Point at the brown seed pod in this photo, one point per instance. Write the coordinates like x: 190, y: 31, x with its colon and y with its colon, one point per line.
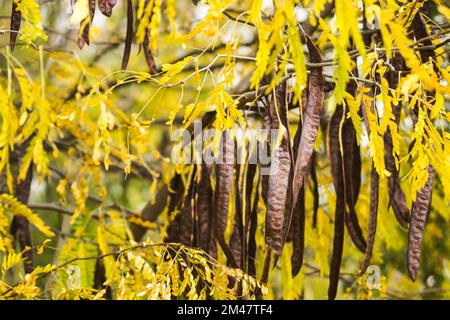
x: 420, y: 207
x: 146, y: 46
x: 419, y: 214
x: 279, y: 174
x: 222, y: 194
x: 249, y: 181
x: 106, y: 6
x: 203, y: 208
x: 298, y: 234
x: 16, y: 17
x: 315, y: 190
x: 149, y: 54
x: 339, y: 216
x: 316, y: 95
x: 288, y: 230
x: 352, y: 180
x: 236, y: 241
x: 181, y: 229
x: 396, y: 195
x: 83, y: 35
x: 373, y: 216
x: 129, y: 35
x: 253, y: 224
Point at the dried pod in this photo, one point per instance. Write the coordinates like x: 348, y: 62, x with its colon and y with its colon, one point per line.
x: 339, y: 216
x: 352, y: 180
x: 149, y: 54
x: 203, y: 208
x: 421, y: 206
x: 419, y: 214
x: 249, y: 180
x: 222, y: 194
x: 298, y: 234
x: 146, y: 46
x: 396, y: 195
x: 83, y: 34
x: 253, y: 223
x: 311, y: 122
x: 106, y: 6
x: 181, y: 228
x: 315, y: 190
x: 236, y: 240
x: 373, y: 216
x: 16, y: 17
x: 279, y: 173
x: 129, y: 35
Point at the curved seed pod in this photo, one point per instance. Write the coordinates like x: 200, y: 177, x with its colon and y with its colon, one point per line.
x: 83, y: 35
x: 311, y: 121
x: 203, y: 208
x: 106, y: 6
x: 224, y: 177
x: 146, y: 45
x: 279, y: 173
x: 373, y: 216
x: 298, y: 234
x: 16, y: 17
x: 129, y: 35
x: 251, y: 260
x: 181, y: 229
x: 249, y: 179
x: 149, y: 54
x: 265, y: 273
x: 315, y: 189
x: 288, y: 231
x: 339, y: 216
x: 396, y: 195
x: 419, y: 213
x: 236, y: 240
x: 352, y: 179
x: 251, y: 173
x: 420, y: 207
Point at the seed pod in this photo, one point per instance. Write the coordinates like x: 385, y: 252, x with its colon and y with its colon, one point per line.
x: 421, y: 206
x: 106, y: 6
x: 249, y: 179
x: 251, y: 260
x: 129, y: 35
x: 288, y: 230
x: 419, y: 214
x: 149, y: 54
x: 203, y: 208
x: 224, y: 181
x: 298, y: 234
x: 339, y: 216
x: 352, y: 180
x: 279, y: 173
x: 396, y: 194
x: 311, y: 122
x: 16, y: 17
x: 146, y: 46
x: 315, y: 190
x: 236, y: 241
x: 181, y: 229
x: 83, y: 35
x: 373, y: 216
